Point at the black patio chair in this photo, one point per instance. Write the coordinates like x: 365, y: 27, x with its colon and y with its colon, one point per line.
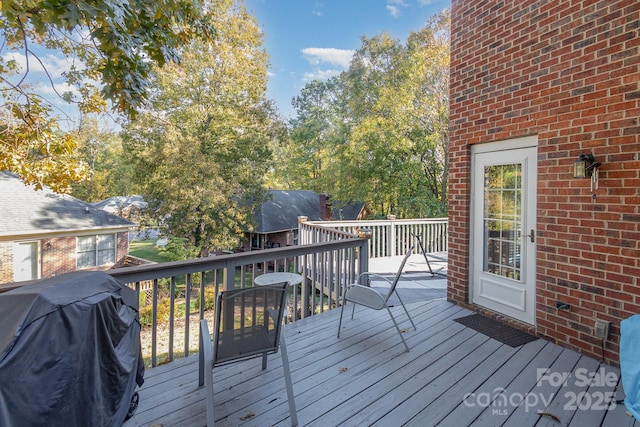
x: 248, y: 324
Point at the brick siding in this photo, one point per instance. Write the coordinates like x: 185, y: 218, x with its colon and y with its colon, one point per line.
x: 58, y: 256
x: 568, y: 72
x: 6, y: 262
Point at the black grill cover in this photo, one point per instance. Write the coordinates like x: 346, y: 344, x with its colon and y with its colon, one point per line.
x: 69, y: 352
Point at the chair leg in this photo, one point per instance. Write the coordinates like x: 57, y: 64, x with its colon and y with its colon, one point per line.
x: 201, y: 361
x: 207, y: 357
x: 398, y: 329
x: 209, y: 390
x: 340, y: 321
x: 406, y: 311
x: 353, y: 310
x: 344, y: 302
x: 287, y: 379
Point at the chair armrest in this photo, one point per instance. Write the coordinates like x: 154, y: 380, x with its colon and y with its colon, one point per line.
x: 369, y: 275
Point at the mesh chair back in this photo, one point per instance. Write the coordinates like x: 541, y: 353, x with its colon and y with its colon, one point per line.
x: 398, y: 274
x: 248, y: 322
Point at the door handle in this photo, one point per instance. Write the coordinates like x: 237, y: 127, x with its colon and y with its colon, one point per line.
x: 531, y: 235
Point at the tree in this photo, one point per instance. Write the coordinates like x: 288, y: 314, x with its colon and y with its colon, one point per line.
x: 201, y: 145
x: 112, y: 49
x: 109, y: 174
x: 310, y: 153
x: 378, y: 132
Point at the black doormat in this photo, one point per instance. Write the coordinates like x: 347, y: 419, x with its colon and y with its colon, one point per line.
x: 499, y: 331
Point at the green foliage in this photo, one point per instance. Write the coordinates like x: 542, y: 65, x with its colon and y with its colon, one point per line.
x: 209, y: 298
x: 164, y: 307
x: 111, y: 48
x: 312, y: 135
x: 378, y: 132
x: 178, y: 249
x: 33, y: 146
x: 162, y: 313
x: 118, y: 42
x: 201, y: 146
x: 109, y: 173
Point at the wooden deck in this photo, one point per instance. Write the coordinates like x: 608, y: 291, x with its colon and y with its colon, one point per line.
x: 453, y: 376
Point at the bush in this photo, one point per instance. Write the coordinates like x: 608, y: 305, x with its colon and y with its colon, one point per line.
x: 209, y: 298
x: 164, y: 306
x: 146, y: 312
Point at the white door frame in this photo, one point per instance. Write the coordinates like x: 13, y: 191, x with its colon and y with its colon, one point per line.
x: 27, y: 268
x: 512, y: 296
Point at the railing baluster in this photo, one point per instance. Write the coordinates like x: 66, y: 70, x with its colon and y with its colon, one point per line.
x: 172, y: 302
x: 154, y: 323
x: 187, y: 313
x: 330, y: 260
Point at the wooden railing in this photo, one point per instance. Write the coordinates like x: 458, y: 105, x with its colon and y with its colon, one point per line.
x: 387, y: 238
x: 175, y: 305
x: 176, y: 295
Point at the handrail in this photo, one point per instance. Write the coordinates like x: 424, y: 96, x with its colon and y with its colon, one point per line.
x: 330, y: 255
x: 390, y: 237
x: 327, y: 266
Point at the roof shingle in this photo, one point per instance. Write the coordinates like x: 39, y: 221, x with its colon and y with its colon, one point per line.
x: 27, y: 211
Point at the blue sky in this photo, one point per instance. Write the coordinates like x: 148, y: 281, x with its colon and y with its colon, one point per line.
x: 305, y: 39
x: 309, y: 39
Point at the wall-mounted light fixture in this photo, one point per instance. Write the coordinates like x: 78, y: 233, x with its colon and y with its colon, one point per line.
x: 587, y: 167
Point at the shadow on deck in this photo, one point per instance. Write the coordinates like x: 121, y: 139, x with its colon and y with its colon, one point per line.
x: 453, y: 376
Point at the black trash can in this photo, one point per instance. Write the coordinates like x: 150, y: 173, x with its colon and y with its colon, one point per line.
x: 69, y: 352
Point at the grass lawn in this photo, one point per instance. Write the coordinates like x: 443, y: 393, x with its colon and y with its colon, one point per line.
x: 147, y: 249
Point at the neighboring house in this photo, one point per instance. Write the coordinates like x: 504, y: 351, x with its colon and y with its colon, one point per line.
x: 44, y: 234
x: 129, y: 207
x: 276, y: 221
x: 535, y: 84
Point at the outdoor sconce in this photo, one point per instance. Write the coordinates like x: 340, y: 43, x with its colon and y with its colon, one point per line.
x: 587, y: 167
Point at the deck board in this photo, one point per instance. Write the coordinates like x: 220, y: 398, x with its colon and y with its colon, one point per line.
x: 366, y: 378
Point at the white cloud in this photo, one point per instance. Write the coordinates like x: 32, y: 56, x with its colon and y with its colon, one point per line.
x: 393, y: 11
x: 320, y: 75
x: 54, y: 65
x: 317, y: 9
x: 394, y: 7
x: 50, y: 92
x: 318, y: 55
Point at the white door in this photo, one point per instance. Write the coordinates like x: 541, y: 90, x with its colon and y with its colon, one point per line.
x: 25, y: 261
x: 503, y: 271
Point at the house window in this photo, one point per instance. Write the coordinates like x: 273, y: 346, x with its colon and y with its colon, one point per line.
x: 93, y: 251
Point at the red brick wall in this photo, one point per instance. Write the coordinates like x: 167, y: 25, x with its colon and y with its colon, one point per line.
x: 58, y: 256
x: 568, y: 72
x: 6, y: 262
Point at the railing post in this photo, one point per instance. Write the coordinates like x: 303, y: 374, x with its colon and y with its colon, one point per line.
x: 391, y: 236
x: 340, y: 269
x: 363, y: 255
x: 303, y: 231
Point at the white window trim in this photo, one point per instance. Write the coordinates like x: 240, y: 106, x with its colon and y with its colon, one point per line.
x: 95, y: 252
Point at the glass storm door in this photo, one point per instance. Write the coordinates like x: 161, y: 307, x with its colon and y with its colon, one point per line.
x: 503, y: 227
